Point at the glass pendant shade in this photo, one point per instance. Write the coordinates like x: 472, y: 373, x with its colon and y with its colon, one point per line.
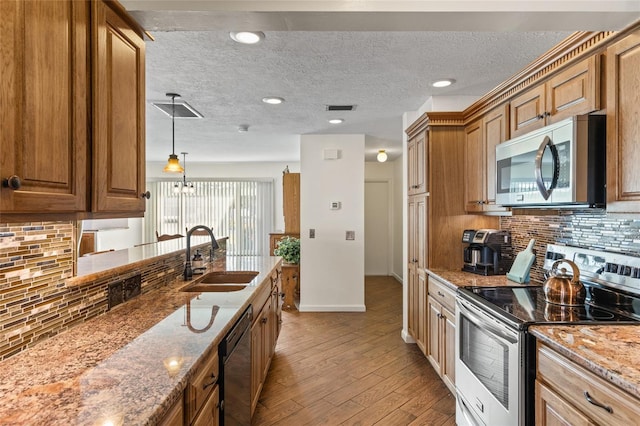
x: 173, y: 165
x: 382, y: 156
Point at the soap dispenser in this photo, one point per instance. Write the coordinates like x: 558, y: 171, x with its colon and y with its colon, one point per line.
x: 197, y: 263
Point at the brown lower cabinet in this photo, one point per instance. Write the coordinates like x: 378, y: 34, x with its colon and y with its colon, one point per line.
x: 441, y: 331
x: 569, y: 394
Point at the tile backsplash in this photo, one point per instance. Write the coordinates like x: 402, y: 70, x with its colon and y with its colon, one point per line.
x: 35, y: 303
x: 592, y: 229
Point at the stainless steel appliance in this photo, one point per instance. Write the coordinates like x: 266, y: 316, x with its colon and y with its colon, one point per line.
x: 563, y: 163
x: 495, y: 354
x: 235, y: 377
x: 488, y: 252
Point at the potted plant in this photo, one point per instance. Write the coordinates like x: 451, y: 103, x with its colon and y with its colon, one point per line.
x: 289, y: 248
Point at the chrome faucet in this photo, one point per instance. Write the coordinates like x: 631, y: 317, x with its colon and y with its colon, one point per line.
x: 188, y: 272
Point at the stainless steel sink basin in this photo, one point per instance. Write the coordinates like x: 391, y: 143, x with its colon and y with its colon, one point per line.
x: 228, y: 277
x: 219, y: 288
x: 222, y: 281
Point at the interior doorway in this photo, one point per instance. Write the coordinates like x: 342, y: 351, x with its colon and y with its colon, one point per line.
x: 377, y: 225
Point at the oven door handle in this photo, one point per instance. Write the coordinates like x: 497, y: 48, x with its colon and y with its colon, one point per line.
x: 500, y: 334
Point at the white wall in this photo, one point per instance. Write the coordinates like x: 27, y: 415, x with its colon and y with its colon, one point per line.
x: 262, y: 170
x: 332, y: 268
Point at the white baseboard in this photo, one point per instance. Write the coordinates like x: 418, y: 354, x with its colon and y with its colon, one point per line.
x: 407, y: 337
x: 332, y: 308
x: 397, y: 277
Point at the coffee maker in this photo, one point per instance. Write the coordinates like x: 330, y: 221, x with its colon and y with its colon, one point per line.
x: 488, y: 252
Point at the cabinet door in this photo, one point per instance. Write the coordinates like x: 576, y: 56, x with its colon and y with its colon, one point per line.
x: 434, y: 312
x: 175, y: 415
x: 291, y: 202
x: 495, y: 130
x: 449, y: 349
x: 623, y: 127
x: 527, y: 111
x: 421, y: 246
x: 256, y: 362
x: 417, y: 156
x: 422, y: 319
x: 210, y: 414
x: 553, y: 410
x: 45, y: 103
x: 118, y: 114
x: 474, y: 167
x: 574, y: 91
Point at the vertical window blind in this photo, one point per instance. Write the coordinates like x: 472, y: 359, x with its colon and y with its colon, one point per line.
x: 242, y: 210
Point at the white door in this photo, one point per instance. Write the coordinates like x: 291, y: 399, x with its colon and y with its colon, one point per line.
x: 376, y: 228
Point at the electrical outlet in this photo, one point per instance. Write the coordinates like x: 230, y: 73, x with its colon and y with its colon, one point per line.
x: 312, y: 233
x: 351, y: 235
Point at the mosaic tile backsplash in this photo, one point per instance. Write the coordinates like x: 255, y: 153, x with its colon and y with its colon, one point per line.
x: 35, y: 261
x: 590, y: 229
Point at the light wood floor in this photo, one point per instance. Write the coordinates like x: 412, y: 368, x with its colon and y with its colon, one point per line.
x: 352, y: 369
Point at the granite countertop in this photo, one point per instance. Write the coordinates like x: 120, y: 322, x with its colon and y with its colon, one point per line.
x: 112, y: 368
x: 610, y: 351
x: 462, y: 279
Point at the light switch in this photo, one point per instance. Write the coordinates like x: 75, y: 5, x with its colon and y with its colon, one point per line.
x: 312, y: 233
x: 351, y: 235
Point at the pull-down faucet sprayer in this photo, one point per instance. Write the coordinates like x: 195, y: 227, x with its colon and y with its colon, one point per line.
x: 188, y: 272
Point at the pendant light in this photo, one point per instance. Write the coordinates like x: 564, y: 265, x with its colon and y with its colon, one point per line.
x: 184, y: 186
x: 173, y: 164
x: 382, y: 156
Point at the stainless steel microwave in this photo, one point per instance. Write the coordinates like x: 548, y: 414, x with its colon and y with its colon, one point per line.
x: 560, y: 164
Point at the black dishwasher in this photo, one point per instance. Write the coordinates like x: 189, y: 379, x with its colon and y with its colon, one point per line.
x: 235, y: 366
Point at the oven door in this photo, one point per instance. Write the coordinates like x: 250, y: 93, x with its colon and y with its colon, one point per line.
x: 489, y: 380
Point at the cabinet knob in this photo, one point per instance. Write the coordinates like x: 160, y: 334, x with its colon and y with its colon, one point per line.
x: 540, y: 116
x: 264, y: 320
x: 12, y: 182
x: 547, y: 114
x: 146, y: 195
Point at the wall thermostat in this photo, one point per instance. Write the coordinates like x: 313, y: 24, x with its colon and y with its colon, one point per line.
x: 335, y: 205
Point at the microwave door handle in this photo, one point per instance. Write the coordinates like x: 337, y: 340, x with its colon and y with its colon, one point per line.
x: 497, y: 332
x: 546, y: 192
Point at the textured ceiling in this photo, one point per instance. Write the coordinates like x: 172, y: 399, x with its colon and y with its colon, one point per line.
x: 385, y: 73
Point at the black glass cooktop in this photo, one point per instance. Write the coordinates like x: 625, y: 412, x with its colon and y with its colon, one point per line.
x: 526, y: 305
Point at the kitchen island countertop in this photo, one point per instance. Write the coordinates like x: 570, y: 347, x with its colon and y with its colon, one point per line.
x: 112, y: 368
x: 609, y: 351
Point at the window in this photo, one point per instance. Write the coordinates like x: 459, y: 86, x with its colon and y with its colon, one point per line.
x: 239, y: 209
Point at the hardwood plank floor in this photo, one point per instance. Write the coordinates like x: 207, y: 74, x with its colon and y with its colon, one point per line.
x: 352, y: 368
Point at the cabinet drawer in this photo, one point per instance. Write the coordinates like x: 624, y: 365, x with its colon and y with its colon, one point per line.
x: 442, y: 293
x: 210, y: 414
x: 572, y: 381
x: 202, y: 384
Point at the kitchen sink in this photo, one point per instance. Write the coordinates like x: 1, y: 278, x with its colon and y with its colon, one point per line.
x: 214, y: 288
x: 228, y: 277
x: 222, y: 281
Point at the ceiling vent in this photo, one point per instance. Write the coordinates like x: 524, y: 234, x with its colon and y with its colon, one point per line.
x: 183, y: 109
x: 341, y: 107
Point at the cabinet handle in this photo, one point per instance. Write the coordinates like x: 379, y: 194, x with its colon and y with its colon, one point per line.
x: 440, y: 293
x: 547, y: 114
x: 596, y: 403
x: 282, y: 295
x: 12, y: 182
x: 146, y: 195
x: 213, y: 382
x: 540, y: 116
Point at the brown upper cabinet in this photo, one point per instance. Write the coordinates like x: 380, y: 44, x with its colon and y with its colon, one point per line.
x: 573, y: 91
x: 481, y: 138
x: 623, y: 127
x: 45, y: 112
x: 417, y: 158
x: 291, y: 202
x: 73, y: 136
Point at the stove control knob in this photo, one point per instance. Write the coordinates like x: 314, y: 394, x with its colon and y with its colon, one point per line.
x: 611, y: 267
x: 635, y: 272
x: 625, y: 270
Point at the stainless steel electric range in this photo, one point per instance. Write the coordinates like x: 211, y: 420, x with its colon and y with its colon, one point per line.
x: 495, y: 354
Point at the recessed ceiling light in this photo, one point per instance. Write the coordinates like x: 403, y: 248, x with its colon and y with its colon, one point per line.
x: 273, y: 100
x: 336, y: 121
x: 443, y: 83
x: 247, y: 37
